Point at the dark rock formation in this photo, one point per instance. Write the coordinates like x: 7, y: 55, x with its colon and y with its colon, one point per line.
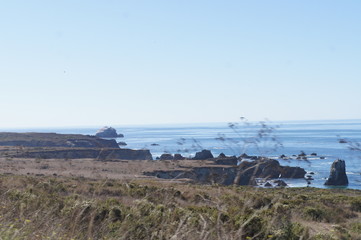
x: 203, y: 155
x: 166, y: 156
x: 108, y: 132
x: 338, y: 175
x: 220, y: 175
x: 205, y: 175
x: 302, y: 154
x: 243, y: 174
x: 178, y: 156
x: 122, y: 144
x: 222, y: 155
x: 265, y: 168
x: 226, y: 161
x: 267, y: 184
x: 309, y: 177
x: 243, y: 155
x: 55, y: 140
x: 154, y: 144
x: 280, y: 183
x: 124, y: 154
x: 313, y: 154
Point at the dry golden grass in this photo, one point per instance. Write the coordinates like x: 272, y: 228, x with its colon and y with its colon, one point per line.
x: 48, y: 207
x: 90, y: 168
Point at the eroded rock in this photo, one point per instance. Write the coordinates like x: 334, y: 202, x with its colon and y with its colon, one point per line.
x: 338, y: 175
x: 178, y: 156
x: 244, y: 174
x: 166, y: 156
x: 203, y: 155
x: 108, y: 132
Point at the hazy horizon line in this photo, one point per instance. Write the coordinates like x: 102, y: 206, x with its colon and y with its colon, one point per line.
x: 168, y: 124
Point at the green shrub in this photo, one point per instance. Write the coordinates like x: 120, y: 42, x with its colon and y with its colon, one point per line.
x: 356, y: 205
x: 356, y: 227
x: 315, y: 214
x: 292, y: 231
x: 254, y: 227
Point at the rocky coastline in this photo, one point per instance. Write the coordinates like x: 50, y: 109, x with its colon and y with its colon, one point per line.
x: 203, y: 168
x: 65, y: 146
x: 229, y: 170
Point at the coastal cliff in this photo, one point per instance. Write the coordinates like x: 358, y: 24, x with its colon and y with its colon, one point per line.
x: 55, y: 140
x: 65, y: 146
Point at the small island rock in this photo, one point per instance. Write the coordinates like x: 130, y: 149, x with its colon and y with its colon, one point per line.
x: 166, y: 156
x: 122, y: 143
x: 280, y: 183
x: 203, y: 155
x: 302, y: 154
x: 108, y: 132
x: 338, y: 175
x: 267, y: 184
x: 178, y: 156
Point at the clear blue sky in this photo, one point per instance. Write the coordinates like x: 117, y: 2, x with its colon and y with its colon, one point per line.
x: 81, y: 63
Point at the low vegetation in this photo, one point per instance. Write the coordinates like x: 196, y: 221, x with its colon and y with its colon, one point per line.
x: 80, y: 208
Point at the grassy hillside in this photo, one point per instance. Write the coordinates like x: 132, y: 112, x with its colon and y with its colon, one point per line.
x: 80, y: 208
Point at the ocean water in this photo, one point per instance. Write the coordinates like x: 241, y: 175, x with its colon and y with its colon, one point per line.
x: 272, y: 140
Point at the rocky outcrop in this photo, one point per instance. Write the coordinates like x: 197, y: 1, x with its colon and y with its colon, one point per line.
x: 268, y: 184
x: 302, y: 154
x: 178, y: 156
x: 245, y: 156
x: 124, y: 154
x: 204, y: 175
x: 108, y: 132
x: 244, y: 174
x: 203, y: 155
x: 265, y: 168
x: 338, y: 175
x: 55, y: 140
x: 122, y: 144
x: 166, y: 156
x: 280, y: 183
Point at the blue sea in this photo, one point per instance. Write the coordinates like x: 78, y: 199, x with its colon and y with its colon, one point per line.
x: 270, y: 139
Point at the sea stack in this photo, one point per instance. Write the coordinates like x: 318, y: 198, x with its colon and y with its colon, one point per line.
x: 338, y: 175
x: 203, y: 155
x: 108, y: 132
